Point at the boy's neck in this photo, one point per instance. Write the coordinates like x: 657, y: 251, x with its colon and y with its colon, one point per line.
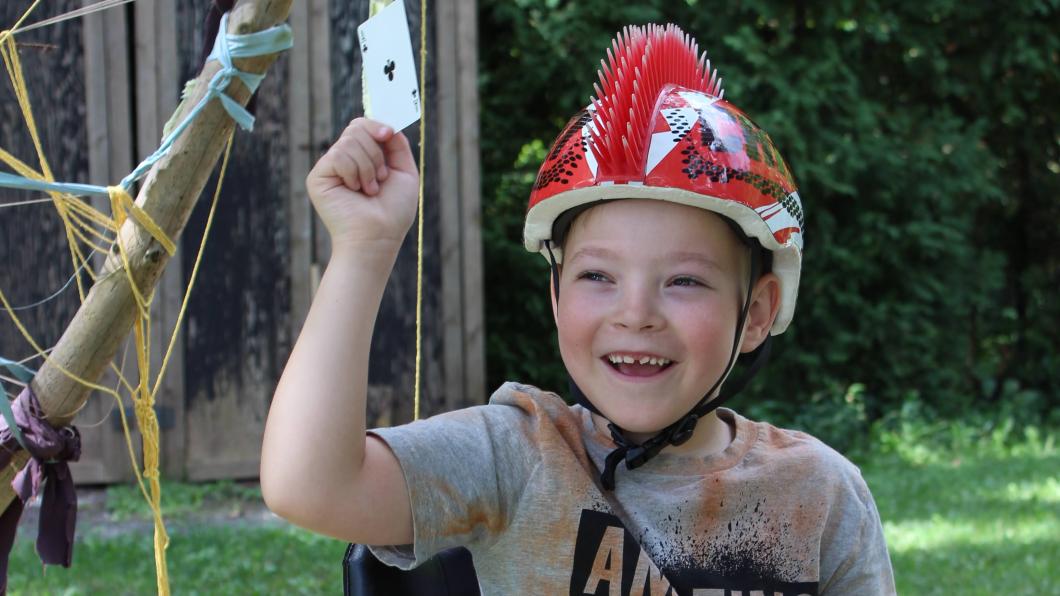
x: 712, y: 436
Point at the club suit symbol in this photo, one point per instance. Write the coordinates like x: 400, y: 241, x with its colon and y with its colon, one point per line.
x: 388, y: 70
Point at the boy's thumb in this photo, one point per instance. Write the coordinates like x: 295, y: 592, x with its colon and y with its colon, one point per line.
x: 399, y: 153
x: 380, y: 132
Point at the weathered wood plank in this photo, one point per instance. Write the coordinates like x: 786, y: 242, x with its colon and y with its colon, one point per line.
x: 448, y: 142
x: 320, y: 47
x: 459, y: 189
x: 238, y: 321
x: 474, y: 347
x: 300, y: 145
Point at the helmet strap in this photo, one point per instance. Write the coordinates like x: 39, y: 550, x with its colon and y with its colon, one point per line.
x: 555, y: 270
x: 579, y: 395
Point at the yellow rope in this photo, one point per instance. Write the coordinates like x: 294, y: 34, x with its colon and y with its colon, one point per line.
x: 419, y: 228
x: 126, y: 204
x: 9, y: 52
x: 9, y: 33
x: 195, y: 268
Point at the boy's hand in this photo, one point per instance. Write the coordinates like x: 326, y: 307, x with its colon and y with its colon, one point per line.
x: 365, y: 188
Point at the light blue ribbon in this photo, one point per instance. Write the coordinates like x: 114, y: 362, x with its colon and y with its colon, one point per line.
x: 225, y: 48
x: 13, y: 181
x: 20, y: 371
x: 24, y: 374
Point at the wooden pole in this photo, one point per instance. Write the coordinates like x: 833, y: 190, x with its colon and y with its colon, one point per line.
x: 168, y: 195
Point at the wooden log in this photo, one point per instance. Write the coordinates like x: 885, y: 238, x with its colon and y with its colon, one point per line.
x: 168, y: 196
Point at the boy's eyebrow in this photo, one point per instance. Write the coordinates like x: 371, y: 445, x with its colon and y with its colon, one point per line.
x: 592, y: 251
x: 680, y: 256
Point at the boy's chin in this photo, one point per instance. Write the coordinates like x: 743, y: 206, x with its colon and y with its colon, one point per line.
x: 637, y: 425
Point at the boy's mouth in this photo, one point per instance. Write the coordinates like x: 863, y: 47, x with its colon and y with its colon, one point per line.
x: 637, y: 365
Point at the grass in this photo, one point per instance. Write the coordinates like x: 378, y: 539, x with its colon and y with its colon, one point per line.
x: 209, y: 560
x: 127, y: 502
x: 989, y: 525
x: 969, y: 507
x: 981, y: 519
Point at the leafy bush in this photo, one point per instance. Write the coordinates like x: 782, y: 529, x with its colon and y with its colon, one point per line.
x: 927, y: 158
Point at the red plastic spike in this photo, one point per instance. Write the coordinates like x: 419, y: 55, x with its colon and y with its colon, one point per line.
x: 640, y: 63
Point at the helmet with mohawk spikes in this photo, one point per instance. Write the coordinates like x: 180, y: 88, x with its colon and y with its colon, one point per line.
x: 659, y: 128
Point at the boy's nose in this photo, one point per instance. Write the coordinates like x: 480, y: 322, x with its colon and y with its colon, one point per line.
x: 638, y: 310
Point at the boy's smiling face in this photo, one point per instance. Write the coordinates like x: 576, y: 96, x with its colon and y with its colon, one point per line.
x: 660, y: 284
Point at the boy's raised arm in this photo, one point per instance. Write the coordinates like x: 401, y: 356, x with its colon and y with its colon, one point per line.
x: 318, y: 468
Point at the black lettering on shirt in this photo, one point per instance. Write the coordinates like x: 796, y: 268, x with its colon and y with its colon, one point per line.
x: 608, y: 561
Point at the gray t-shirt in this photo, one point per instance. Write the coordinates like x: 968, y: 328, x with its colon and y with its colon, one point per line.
x: 517, y: 483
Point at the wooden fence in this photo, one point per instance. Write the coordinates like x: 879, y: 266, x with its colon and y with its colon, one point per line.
x: 103, y: 87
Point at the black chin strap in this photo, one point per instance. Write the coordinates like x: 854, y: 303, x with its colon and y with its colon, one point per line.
x: 636, y: 455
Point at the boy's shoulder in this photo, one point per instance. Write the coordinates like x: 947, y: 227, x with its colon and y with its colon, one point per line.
x: 798, y: 457
x: 531, y: 401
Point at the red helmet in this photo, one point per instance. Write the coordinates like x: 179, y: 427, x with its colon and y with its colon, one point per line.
x: 659, y: 129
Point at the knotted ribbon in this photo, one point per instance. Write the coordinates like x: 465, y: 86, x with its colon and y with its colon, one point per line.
x: 50, y: 449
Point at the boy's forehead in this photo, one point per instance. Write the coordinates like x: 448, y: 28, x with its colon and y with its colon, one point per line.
x: 648, y: 223
x: 629, y: 215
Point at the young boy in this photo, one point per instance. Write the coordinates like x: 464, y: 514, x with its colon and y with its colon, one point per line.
x: 674, y: 232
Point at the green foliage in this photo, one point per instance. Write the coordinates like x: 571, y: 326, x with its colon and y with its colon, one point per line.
x: 928, y: 157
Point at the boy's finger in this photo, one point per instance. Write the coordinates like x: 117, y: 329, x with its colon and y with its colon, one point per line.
x: 377, y: 130
x: 399, y: 154
x: 343, y: 164
x: 361, y: 150
x: 372, y: 150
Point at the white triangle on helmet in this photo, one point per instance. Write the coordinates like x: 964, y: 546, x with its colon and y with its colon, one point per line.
x: 662, y: 143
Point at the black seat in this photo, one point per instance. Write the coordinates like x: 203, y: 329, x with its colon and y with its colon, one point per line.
x: 449, y: 573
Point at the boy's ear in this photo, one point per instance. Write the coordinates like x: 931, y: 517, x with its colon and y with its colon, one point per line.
x: 765, y: 303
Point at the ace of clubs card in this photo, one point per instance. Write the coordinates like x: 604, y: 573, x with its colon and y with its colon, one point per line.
x: 391, y: 94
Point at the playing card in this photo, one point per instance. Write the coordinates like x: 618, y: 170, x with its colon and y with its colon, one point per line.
x: 392, y: 95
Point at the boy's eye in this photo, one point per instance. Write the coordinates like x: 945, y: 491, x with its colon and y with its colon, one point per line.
x: 687, y: 281
x: 592, y: 276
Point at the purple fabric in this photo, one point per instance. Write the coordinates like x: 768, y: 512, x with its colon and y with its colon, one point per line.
x: 50, y: 449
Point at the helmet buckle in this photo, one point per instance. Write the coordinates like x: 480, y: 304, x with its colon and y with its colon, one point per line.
x: 684, y: 431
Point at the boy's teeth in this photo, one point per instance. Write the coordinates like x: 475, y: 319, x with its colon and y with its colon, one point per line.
x: 623, y: 359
